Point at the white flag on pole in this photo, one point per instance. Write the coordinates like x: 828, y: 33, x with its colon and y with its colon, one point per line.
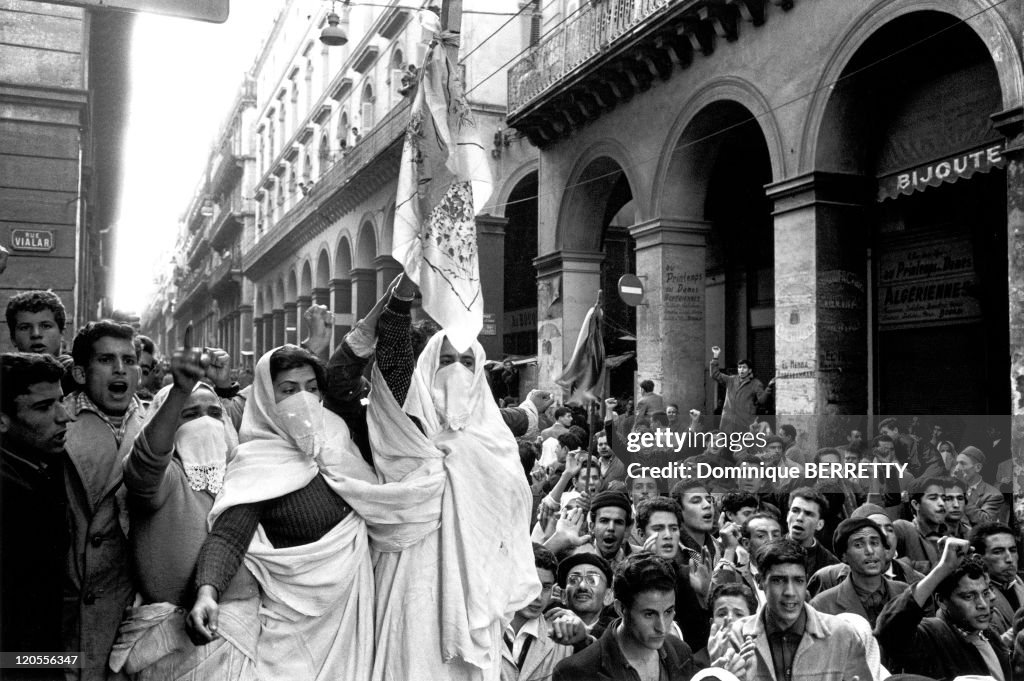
x: 443, y: 183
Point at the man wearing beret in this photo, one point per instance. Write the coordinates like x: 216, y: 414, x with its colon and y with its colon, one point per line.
x: 984, y: 501
x: 586, y: 580
x: 862, y: 545
x: 611, y: 514
x: 897, y: 568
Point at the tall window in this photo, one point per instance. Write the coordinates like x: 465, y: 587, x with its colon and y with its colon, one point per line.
x: 270, y: 140
x: 325, y: 154
x: 395, y: 77
x: 309, y: 85
x: 366, y: 109
x: 343, y: 131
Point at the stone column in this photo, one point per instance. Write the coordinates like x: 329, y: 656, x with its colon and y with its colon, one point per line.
x: 300, y: 320
x: 821, y: 319
x: 387, y: 269
x: 364, y: 291
x: 291, y: 330
x: 268, y: 332
x: 670, y: 323
x: 341, y: 296
x: 1011, y: 124
x: 567, y: 286
x: 490, y: 238
x: 246, y: 333
x: 279, y: 328
x: 257, y: 334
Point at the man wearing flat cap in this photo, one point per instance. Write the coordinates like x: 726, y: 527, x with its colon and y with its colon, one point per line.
x: 897, y: 568
x: 984, y: 501
x: 611, y: 514
x: 862, y: 545
x: 586, y: 580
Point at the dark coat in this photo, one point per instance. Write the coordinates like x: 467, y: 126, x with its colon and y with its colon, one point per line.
x: 911, y: 544
x: 914, y: 644
x: 33, y: 552
x: 742, y: 398
x: 831, y: 575
x: 843, y: 598
x: 603, y: 661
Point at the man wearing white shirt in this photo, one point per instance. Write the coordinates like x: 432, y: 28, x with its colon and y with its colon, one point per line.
x: 533, y: 645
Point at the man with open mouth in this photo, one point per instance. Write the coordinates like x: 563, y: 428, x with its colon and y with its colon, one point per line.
x: 862, y: 544
x: 960, y: 640
x: 108, y: 416
x: 611, y: 514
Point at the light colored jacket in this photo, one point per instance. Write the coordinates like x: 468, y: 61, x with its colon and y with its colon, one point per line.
x: 539, y: 663
x: 98, y: 584
x: 830, y: 649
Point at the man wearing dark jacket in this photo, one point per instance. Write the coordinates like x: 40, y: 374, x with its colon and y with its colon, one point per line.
x: 743, y: 394
x: 638, y: 645
x: 33, y: 506
x: 863, y: 546
x: 959, y: 641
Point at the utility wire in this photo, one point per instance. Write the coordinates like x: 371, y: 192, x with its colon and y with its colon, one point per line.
x: 501, y: 68
x: 496, y: 31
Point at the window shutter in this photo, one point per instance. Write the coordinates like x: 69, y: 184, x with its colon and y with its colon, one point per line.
x: 367, y: 116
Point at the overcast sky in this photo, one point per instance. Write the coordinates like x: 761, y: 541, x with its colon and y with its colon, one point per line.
x: 185, y: 75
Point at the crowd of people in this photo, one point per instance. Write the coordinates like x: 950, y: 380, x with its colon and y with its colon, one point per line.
x: 376, y: 514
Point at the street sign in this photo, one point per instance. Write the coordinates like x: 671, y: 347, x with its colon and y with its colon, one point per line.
x: 215, y: 11
x: 631, y: 290
x: 32, y: 240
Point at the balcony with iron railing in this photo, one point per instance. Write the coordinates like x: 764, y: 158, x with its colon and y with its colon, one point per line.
x: 335, y: 186
x: 609, y: 50
x: 228, y: 217
x: 226, y: 268
x: 193, y: 284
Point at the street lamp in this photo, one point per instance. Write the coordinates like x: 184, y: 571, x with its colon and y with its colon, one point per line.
x: 333, y: 35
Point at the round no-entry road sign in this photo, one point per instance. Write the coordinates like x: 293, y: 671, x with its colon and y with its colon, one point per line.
x: 631, y: 290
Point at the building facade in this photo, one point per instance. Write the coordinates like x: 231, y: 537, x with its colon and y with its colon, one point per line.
x: 831, y: 189
x: 63, y: 79
x: 325, y: 141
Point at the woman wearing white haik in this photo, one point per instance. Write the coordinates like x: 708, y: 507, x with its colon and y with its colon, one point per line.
x: 287, y: 510
x: 443, y: 602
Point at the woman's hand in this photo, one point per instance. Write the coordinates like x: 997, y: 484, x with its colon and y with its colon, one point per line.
x: 201, y: 623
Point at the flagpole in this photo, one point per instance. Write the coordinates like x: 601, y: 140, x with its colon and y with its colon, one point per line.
x: 451, y: 20
x: 593, y: 422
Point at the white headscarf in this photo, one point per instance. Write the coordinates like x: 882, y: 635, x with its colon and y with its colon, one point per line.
x: 281, y: 444
x: 204, y: 465
x: 472, y: 406
x: 485, y: 513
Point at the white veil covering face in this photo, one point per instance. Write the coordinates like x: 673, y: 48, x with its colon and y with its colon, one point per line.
x: 204, y: 465
x: 480, y: 557
x: 317, y: 610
